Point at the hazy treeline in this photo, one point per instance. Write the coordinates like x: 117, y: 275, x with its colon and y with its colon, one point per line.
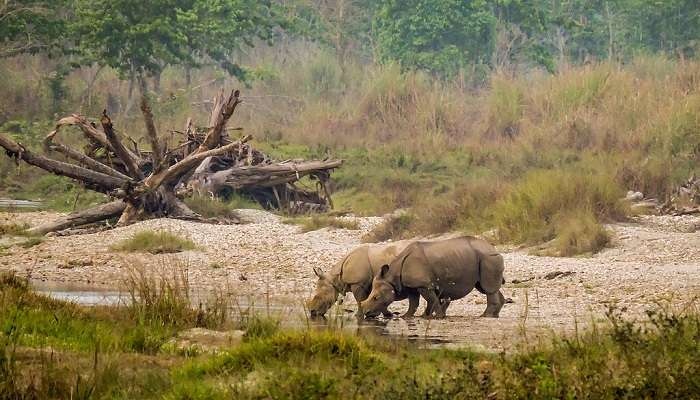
x: 440, y: 36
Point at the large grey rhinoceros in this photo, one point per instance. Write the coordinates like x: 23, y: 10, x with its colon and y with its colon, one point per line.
x: 354, y: 274
x: 439, y: 271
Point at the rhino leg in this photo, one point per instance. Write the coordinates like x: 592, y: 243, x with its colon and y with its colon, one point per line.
x: 494, y: 303
x: 360, y: 293
x: 444, y: 303
x: 413, y: 300
x: 433, y: 302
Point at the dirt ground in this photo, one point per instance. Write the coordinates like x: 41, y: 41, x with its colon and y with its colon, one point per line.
x: 654, y: 261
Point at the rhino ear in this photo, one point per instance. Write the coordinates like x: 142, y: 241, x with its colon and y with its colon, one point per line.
x: 384, y: 270
x: 318, y: 272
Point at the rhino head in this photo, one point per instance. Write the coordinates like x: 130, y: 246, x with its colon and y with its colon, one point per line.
x: 382, y: 294
x: 324, y: 297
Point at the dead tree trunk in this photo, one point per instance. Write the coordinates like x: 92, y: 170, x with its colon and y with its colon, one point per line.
x: 150, y: 184
x: 142, y: 184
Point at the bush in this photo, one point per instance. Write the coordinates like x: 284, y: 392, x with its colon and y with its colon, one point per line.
x: 13, y: 229
x: 393, y: 227
x: 578, y: 233
x: 155, y: 243
x: 536, y: 210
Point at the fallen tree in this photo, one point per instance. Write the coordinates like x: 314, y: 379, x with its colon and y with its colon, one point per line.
x: 151, y: 184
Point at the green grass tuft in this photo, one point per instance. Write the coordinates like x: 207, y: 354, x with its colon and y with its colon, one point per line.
x: 154, y: 242
x: 316, y: 222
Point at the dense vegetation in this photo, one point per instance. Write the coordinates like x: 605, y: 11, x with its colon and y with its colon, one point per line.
x: 526, y: 119
x: 50, y: 349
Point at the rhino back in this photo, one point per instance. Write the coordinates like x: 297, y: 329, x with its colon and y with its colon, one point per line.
x: 380, y: 254
x: 452, y: 265
x: 354, y: 268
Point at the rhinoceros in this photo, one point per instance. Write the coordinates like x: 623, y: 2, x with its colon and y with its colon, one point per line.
x: 439, y: 271
x: 354, y: 274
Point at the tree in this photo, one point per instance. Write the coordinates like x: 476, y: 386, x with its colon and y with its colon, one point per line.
x: 31, y: 26
x: 440, y: 36
x: 137, y: 39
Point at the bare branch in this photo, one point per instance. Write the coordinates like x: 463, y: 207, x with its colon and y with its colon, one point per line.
x: 122, y: 152
x: 157, y: 151
x: 96, y: 214
x: 85, y: 160
x: 155, y: 180
x: 99, y: 181
x: 223, y: 109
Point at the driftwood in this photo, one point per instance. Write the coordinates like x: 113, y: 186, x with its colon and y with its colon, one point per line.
x: 685, y: 200
x: 148, y: 184
x: 271, y: 184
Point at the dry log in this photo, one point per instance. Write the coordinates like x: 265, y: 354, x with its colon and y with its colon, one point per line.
x: 89, y: 216
x: 96, y: 180
x: 85, y: 160
x: 156, y: 150
x: 223, y: 109
x: 188, y: 163
x: 275, y: 174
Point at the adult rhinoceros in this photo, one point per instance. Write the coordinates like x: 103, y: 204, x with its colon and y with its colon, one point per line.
x: 439, y: 271
x: 354, y: 274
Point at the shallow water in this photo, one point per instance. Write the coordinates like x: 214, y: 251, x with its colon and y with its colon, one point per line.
x: 462, y: 330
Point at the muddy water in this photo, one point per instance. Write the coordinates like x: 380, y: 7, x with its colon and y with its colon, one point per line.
x: 464, y: 330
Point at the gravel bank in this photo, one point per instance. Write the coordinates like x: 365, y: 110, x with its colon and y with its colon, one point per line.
x: 653, y: 260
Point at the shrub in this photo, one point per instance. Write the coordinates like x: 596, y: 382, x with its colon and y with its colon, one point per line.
x: 13, y: 229
x: 393, y: 227
x: 154, y: 242
x: 537, y: 207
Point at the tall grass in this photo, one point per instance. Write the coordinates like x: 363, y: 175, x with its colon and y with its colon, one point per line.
x: 163, y: 297
x: 412, y: 141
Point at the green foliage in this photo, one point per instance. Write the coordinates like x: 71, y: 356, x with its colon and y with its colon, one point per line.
x: 30, y: 26
x: 652, y: 358
x: 154, y: 242
x: 438, y: 36
x: 142, y: 37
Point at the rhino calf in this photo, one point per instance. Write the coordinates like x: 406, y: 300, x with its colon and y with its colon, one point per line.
x: 439, y: 271
x: 354, y: 274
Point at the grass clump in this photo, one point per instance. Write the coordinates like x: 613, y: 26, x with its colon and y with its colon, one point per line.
x: 215, y: 207
x: 316, y: 222
x: 162, y: 297
x: 393, y: 227
x: 568, y: 206
x: 13, y: 229
x: 154, y: 242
